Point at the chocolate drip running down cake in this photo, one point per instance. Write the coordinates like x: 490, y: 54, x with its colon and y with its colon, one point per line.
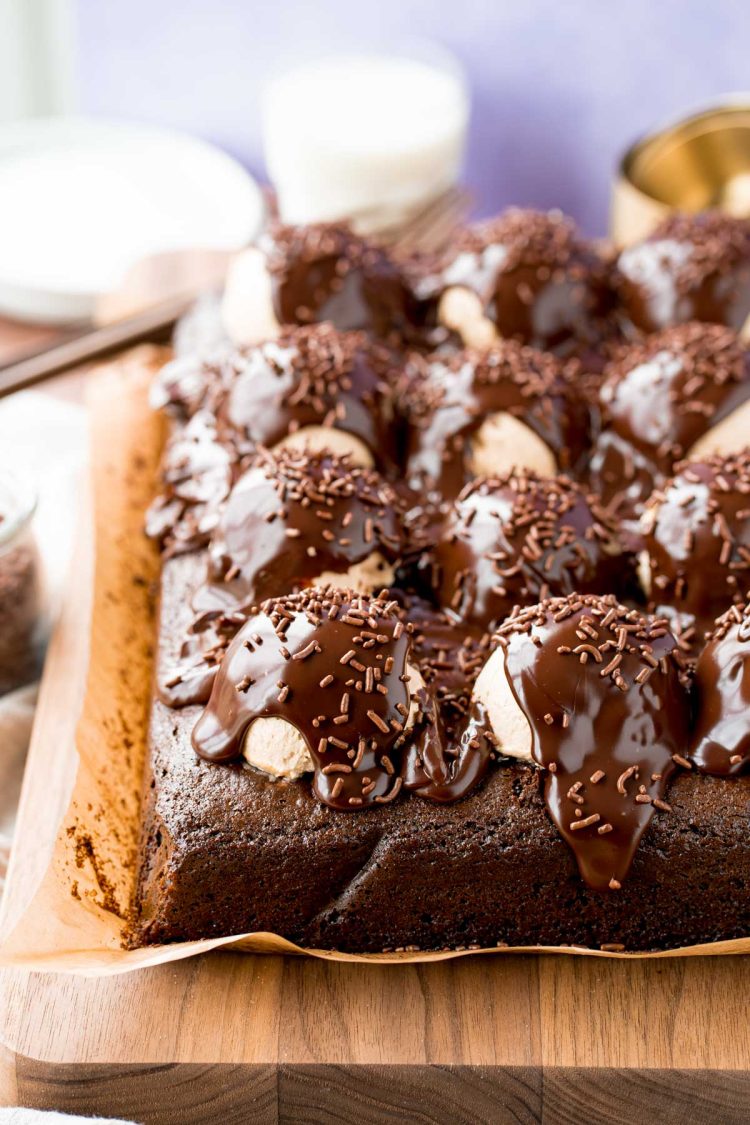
x: 424, y: 681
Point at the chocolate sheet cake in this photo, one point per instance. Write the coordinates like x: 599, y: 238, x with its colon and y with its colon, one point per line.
x: 424, y: 692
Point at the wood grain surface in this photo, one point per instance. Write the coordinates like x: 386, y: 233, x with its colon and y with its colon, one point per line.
x: 238, y: 1038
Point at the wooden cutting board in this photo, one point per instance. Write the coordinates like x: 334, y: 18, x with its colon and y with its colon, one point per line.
x: 235, y: 1038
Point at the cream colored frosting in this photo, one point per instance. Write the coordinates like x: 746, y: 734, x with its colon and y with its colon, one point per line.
x: 371, y: 575
x: 509, y: 724
x: 275, y: 747
x: 503, y: 442
x: 730, y: 435
x: 317, y: 438
x: 461, y: 310
x: 247, y: 305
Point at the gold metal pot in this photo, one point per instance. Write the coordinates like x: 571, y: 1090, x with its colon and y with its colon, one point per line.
x: 697, y: 162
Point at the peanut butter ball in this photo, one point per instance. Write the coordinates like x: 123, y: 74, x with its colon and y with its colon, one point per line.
x: 334, y: 667
x: 519, y: 538
x: 594, y: 694
x: 301, y: 275
x: 696, y: 534
x: 300, y: 518
x: 486, y: 412
x: 691, y: 267
x: 679, y: 393
x: 526, y: 276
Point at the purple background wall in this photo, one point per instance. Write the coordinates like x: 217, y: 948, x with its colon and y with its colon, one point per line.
x: 559, y: 89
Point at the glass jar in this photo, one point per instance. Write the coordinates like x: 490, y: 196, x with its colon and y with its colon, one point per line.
x: 21, y: 623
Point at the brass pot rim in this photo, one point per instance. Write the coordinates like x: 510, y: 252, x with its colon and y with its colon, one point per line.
x: 677, y: 130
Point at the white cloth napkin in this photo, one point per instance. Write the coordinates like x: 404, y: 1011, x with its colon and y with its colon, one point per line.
x: 46, y: 439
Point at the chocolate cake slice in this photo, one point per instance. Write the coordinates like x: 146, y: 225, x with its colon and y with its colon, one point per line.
x: 227, y: 850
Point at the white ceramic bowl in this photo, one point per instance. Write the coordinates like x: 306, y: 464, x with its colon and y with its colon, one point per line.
x: 81, y: 201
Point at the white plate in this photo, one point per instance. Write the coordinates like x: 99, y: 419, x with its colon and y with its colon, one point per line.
x: 81, y: 201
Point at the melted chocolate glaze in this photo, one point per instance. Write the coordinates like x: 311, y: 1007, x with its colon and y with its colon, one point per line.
x: 539, y: 283
x: 607, y: 707
x: 310, y: 377
x: 197, y: 473
x: 696, y: 532
x: 335, y: 667
x: 325, y: 272
x: 450, y: 655
x: 194, y: 382
x: 293, y: 516
x: 401, y: 290
x: 658, y: 398
x: 190, y: 679
x: 601, y: 686
x: 455, y: 745
x: 721, y: 738
x: 691, y: 267
x: 447, y: 399
x: 355, y: 658
x: 516, y: 539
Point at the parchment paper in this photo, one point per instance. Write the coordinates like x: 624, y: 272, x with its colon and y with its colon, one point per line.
x: 75, y: 921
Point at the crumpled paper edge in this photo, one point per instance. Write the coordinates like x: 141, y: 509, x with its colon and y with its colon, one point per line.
x: 75, y: 920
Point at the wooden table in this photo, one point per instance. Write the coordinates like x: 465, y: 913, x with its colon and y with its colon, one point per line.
x: 235, y: 1038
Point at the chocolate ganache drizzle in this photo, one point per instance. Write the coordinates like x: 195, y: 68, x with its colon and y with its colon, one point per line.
x: 332, y: 664
x: 603, y: 693
x: 296, y: 515
x: 517, y: 538
x: 325, y: 272
x: 658, y: 398
x: 197, y: 473
x: 538, y: 282
x: 696, y: 534
x: 343, y: 670
x: 311, y: 376
x: 446, y: 401
x: 454, y: 746
x: 449, y: 656
x: 721, y: 737
x: 691, y: 267
x: 377, y: 694
x: 189, y: 678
